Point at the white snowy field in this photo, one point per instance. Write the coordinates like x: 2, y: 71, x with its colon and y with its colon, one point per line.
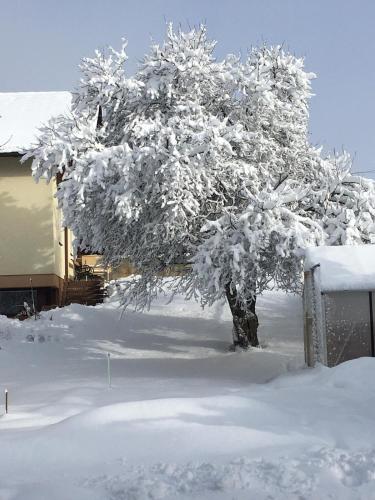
x: 184, y: 418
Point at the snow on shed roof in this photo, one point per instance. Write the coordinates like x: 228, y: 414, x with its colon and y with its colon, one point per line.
x: 22, y: 113
x: 343, y: 267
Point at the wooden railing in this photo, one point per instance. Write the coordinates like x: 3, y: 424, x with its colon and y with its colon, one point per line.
x: 86, y: 292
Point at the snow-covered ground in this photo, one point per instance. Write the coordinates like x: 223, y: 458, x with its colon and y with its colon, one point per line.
x: 185, y: 418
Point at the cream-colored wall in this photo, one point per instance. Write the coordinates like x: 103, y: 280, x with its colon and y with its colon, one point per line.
x: 59, y: 241
x: 31, y: 237
x: 71, y: 253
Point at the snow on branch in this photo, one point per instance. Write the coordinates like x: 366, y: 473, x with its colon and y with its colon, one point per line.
x: 204, y: 163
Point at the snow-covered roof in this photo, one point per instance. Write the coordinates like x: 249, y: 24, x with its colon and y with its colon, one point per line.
x: 22, y: 113
x: 343, y: 267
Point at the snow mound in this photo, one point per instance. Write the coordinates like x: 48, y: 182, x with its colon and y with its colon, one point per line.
x: 183, y: 417
x: 6, y: 327
x: 325, y: 473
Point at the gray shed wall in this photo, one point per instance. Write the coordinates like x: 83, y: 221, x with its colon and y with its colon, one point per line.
x: 348, y: 325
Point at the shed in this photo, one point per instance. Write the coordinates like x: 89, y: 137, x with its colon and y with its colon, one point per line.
x: 339, y: 295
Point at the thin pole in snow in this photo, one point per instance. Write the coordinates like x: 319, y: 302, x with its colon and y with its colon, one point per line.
x: 32, y: 297
x: 372, y: 325
x: 109, y: 370
x: 6, y: 400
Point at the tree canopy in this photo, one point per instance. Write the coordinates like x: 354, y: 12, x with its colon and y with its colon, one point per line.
x: 201, y: 162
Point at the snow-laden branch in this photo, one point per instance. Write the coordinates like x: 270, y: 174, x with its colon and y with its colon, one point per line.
x: 201, y: 163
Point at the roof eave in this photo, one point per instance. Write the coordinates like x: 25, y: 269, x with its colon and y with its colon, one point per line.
x: 11, y: 153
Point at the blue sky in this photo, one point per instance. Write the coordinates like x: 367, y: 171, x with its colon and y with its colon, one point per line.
x: 43, y: 41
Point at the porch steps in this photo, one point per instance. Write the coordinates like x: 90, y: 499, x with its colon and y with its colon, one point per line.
x: 85, y: 292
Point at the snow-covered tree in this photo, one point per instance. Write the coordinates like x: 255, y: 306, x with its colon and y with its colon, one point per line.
x: 203, y: 163
x: 296, y: 199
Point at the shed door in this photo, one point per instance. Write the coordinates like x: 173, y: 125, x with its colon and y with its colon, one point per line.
x: 348, y: 326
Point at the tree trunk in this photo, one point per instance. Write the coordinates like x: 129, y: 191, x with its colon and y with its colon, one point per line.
x: 245, y: 320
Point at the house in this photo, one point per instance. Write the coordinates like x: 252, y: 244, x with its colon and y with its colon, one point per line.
x: 35, y: 250
x: 339, y: 303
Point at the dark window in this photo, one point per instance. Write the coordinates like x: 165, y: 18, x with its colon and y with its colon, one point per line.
x: 11, y: 301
